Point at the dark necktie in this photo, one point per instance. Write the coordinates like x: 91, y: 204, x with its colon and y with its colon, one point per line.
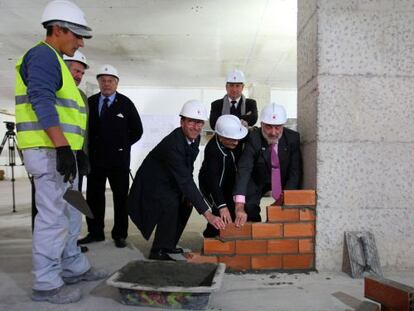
x: 276, y: 182
x: 105, y: 106
x: 233, y: 109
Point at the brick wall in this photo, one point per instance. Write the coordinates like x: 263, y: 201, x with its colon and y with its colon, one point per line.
x: 286, y: 241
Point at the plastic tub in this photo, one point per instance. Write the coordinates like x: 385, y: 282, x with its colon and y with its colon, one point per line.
x: 168, y: 284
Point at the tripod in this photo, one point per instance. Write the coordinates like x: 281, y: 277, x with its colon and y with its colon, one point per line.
x: 10, y: 138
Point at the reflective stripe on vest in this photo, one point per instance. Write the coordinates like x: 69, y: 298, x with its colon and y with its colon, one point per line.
x: 69, y: 105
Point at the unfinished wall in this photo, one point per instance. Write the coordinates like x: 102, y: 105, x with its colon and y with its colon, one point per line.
x: 356, y: 118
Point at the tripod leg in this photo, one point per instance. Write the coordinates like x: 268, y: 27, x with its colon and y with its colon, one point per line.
x: 3, y: 143
x: 13, y: 192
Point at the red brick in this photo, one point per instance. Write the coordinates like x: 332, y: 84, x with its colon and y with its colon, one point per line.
x: 251, y: 247
x: 390, y: 294
x: 306, y: 246
x: 233, y: 232
x: 198, y: 258
x: 298, y: 261
x: 262, y: 230
x: 236, y: 262
x: 282, y: 246
x: 279, y: 214
x: 304, y: 229
x: 307, y: 214
x: 299, y: 197
x: 214, y: 246
x: 266, y: 262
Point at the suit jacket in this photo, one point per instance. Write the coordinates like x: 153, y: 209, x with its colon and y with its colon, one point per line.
x: 165, y: 178
x: 250, y: 117
x: 218, y: 173
x: 254, y: 167
x: 111, y: 137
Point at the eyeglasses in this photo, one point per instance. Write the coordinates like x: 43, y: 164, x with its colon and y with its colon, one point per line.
x: 194, y: 121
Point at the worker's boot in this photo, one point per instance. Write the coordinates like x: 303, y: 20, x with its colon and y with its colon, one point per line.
x: 61, y: 295
x: 88, y: 276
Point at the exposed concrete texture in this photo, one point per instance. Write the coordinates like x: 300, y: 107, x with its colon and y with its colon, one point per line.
x: 355, y: 116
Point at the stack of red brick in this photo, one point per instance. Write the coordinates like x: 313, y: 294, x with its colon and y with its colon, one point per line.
x: 286, y: 241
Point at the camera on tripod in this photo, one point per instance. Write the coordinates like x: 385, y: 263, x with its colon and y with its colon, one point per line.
x: 9, y: 126
x: 10, y: 139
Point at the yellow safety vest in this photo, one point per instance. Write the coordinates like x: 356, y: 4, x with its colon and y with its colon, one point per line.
x: 69, y: 105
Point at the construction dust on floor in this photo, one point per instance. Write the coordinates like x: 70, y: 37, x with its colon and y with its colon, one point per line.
x: 271, y: 291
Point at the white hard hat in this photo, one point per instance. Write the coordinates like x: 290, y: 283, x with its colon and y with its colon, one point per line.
x: 230, y: 126
x: 194, y: 109
x: 107, y: 70
x: 66, y: 14
x: 77, y: 57
x: 236, y: 76
x: 273, y: 114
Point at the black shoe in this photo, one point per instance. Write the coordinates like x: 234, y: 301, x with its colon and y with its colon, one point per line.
x: 90, y: 239
x: 120, y: 243
x: 176, y: 250
x: 84, y: 249
x: 159, y: 255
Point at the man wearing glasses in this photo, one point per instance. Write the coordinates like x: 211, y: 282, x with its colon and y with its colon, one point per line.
x: 163, y: 192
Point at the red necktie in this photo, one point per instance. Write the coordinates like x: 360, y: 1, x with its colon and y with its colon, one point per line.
x: 276, y: 182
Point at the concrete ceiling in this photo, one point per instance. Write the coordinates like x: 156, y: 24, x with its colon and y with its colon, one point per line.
x: 168, y: 43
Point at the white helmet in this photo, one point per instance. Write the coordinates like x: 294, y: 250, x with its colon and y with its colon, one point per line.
x: 67, y: 14
x: 273, y: 114
x: 236, y: 76
x: 77, y: 57
x: 194, y: 109
x: 229, y: 126
x: 107, y: 70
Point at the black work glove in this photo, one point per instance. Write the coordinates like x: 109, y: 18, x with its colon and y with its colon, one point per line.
x: 66, y: 163
x: 84, y: 168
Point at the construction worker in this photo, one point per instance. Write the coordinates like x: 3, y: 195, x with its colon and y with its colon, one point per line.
x: 163, y: 191
x: 234, y: 102
x: 50, y: 122
x: 218, y: 171
x: 77, y: 65
x: 114, y: 126
x: 271, y: 162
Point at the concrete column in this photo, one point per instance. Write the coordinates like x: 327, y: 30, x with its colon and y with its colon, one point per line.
x: 356, y: 119
x: 261, y: 93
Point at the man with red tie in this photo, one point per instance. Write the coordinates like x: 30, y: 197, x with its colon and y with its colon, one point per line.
x: 271, y: 162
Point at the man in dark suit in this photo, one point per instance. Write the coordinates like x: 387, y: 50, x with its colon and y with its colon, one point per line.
x: 234, y: 102
x: 259, y: 171
x: 163, y: 191
x: 114, y: 126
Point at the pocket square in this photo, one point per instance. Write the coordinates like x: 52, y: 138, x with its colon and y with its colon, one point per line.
x: 120, y: 115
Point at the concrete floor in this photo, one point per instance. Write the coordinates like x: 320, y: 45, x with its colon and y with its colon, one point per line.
x: 266, y: 291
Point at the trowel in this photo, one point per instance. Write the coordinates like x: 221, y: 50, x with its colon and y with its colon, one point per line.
x: 76, y: 199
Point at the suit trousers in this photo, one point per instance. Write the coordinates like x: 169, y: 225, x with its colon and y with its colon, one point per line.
x: 95, y: 196
x: 57, y: 224
x: 252, y: 206
x: 171, y: 225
